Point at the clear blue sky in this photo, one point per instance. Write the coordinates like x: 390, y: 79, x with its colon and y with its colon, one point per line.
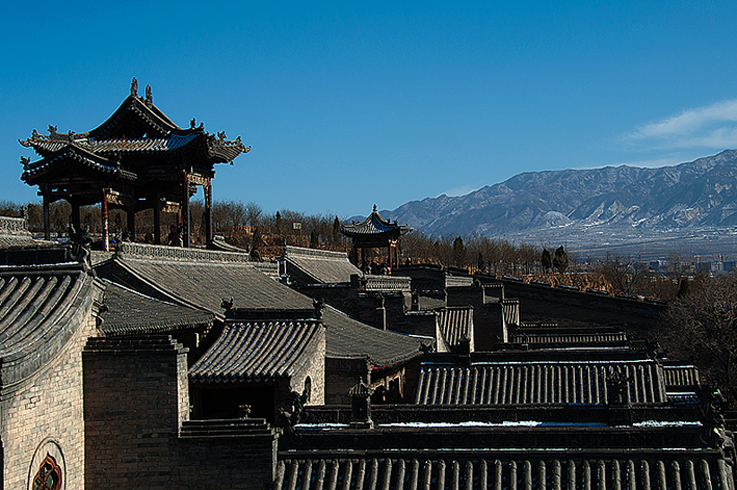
x: 348, y: 104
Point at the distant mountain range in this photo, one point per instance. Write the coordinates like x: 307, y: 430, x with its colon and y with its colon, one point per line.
x: 702, y: 193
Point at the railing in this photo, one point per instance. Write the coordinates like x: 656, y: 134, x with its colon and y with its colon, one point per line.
x: 457, y: 281
x: 163, y: 252
x: 291, y: 250
x: 13, y: 226
x: 387, y: 283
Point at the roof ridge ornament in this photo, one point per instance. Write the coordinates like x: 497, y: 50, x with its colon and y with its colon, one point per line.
x: 52, y: 130
x: 134, y: 87
x: 149, y: 96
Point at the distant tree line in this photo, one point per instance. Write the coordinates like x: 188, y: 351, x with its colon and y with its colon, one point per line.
x: 614, y: 274
x: 247, y: 226
x: 244, y: 225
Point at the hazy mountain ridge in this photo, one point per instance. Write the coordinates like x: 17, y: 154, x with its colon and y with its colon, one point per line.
x: 698, y: 193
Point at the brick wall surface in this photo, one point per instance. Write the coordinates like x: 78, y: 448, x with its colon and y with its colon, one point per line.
x: 315, y: 370
x: 47, y: 407
x: 340, y: 376
x: 487, y: 314
x: 136, y: 398
x: 132, y: 413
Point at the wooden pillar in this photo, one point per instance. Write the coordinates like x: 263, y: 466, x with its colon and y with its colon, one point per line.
x: 184, y: 208
x: 76, y: 217
x: 207, y: 189
x: 157, y: 217
x: 105, y: 223
x: 47, y: 218
x: 131, y: 215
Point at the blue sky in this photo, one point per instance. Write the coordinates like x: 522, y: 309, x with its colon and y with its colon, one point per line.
x: 349, y: 104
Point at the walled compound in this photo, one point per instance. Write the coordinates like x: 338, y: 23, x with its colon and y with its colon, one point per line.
x: 170, y: 367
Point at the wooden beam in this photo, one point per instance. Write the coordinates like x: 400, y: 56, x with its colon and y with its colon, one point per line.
x: 47, y: 218
x: 157, y: 217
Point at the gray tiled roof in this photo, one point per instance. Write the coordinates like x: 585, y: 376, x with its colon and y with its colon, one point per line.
x: 128, y: 312
x: 41, y: 307
x: 503, y: 383
x: 14, y: 234
x: 349, y: 338
x: 259, y: 351
x: 19, y: 241
x: 323, y: 267
x: 205, y: 285
x: 643, y: 469
x: 455, y: 324
x: 374, y: 224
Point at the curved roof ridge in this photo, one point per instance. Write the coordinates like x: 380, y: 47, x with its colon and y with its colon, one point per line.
x: 44, y: 317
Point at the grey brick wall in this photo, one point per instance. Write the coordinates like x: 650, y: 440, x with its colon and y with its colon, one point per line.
x: 136, y: 398
x: 47, y: 407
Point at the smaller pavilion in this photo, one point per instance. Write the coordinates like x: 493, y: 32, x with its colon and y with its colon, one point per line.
x: 375, y: 232
x: 137, y: 159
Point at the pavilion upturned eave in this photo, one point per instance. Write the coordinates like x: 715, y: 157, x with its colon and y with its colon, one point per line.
x: 62, y: 162
x: 137, y: 159
x: 138, y: 127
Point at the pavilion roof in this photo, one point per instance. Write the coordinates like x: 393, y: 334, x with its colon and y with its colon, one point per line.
x: 136, y: 133
x: 375, y: 226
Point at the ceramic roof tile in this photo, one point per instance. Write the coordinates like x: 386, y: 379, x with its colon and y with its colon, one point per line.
x: 650, y: 469
x: 128, y: 312
x: 456, y: 323
x: 38, y: 304
x: 533, y: 383
x: 322, y: 266
x: 258, y: 351
x: 203, y: 285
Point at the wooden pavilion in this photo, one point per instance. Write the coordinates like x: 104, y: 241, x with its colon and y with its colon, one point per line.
x: 375, y: 232
x: 137, y: 159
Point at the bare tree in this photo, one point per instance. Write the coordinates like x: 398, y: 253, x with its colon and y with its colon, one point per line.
x: 701, y: 326
x: 253, y: 213
x: 622, y: 274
